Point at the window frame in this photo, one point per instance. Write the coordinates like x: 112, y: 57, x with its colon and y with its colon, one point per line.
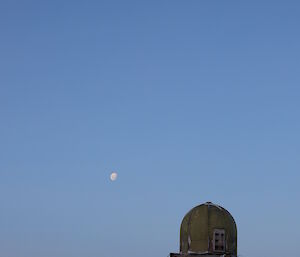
x: 220, y: 236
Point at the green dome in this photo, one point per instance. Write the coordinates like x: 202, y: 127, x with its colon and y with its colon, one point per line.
x: 208, y: 228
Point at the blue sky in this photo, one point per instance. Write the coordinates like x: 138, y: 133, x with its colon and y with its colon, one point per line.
x: 189, y: 101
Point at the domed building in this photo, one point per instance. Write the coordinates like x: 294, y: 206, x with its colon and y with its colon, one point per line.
x: 208, y: 229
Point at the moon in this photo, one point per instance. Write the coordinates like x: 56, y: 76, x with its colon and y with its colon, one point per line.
x: 113, y: 176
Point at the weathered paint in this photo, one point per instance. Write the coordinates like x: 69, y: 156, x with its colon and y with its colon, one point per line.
x: 197, y: 228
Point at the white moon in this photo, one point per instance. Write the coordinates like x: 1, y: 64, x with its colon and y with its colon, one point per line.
x: 113, y: 176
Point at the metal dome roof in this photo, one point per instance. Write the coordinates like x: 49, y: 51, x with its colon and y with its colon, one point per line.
x: 208, y: 229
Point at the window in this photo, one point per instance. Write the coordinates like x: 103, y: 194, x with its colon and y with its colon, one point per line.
x: 219, y: 240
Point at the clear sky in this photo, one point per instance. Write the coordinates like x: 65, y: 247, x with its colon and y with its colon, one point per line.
x: 189, y: 101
